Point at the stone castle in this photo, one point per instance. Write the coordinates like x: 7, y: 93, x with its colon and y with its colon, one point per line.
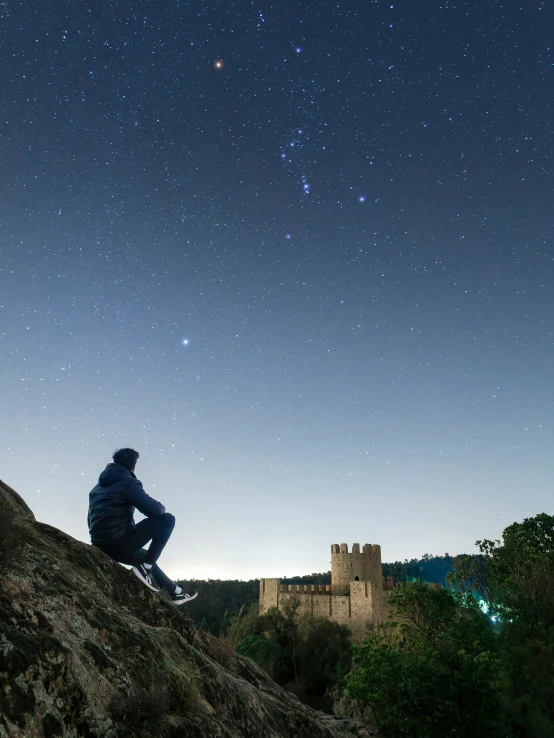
x: 357, y: 596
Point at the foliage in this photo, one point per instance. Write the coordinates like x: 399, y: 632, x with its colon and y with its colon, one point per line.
x: 515, y: 580
x: 323, y: 654
x: 266, y: 652
x: 315, y: 578
x: 432, y: 672
x: 521, y: 576
x: 476, y: 659
x: 429, y: 568
x: 219, y: 600
x: 239, y: 625
x: 304, y: 654
x: 521, y: 571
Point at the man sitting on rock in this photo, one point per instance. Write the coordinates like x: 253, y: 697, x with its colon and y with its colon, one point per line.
x: 112, y: 527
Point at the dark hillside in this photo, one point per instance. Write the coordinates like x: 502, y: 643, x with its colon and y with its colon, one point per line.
x: 218, y: 600
x: 431, y: 569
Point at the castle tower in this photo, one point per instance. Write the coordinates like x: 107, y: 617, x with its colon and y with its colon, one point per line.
x: 364, y: 566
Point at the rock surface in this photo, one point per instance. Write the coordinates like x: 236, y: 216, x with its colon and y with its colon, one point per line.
x: 344, y: 707
x: 87, y: 652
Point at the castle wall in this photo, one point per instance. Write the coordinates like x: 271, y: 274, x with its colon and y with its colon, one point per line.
x: 357, y: 596
x: 321, y: 606
x: 366, y: 603
x: 340, y: 609
x: 269, y: 594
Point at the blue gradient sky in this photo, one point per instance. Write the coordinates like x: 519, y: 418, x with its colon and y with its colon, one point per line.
x: 349, y: 224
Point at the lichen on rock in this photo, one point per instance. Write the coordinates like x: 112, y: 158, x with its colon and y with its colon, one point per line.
x: 87, y: 652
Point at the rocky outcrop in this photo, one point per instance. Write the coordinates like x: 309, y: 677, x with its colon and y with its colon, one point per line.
x: 344, y: 707
x: 87, y: 652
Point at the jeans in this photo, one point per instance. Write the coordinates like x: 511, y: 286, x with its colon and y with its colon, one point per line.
x: 128, y: 549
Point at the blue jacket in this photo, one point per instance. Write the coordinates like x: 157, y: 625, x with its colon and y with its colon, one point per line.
x: 112, y: 504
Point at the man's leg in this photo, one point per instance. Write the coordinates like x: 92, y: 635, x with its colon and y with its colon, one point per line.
x: 135, y: 558
x: 128, y: 549
x: 157, y: 529
x: 163, y: 580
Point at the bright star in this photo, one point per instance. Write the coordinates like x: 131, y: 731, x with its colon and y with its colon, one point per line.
x: 185, y: 341
x: 219, y: 63
x: 361, y: 198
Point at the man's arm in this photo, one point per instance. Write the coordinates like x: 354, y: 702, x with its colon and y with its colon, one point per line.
x: 144, y: 504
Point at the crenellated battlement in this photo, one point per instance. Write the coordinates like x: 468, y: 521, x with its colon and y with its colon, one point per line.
x: 306, y: 588
x: 368, y: 548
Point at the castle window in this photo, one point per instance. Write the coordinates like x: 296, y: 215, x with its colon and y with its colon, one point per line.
x: 356, y: 579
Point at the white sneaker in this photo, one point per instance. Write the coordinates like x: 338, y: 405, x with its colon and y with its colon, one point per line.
x: 145, y: 576
x: 182, y: 597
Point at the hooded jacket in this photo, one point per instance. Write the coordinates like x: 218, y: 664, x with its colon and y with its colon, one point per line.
x: 113, y: 501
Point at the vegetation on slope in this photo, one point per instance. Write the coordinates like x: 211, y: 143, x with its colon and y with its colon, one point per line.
x: 306, y: 655
x: 473, y: 660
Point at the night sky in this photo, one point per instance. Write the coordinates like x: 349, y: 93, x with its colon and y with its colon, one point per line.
x: 298, y: 254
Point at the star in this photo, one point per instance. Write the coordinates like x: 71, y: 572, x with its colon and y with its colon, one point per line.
x: 219, y: 64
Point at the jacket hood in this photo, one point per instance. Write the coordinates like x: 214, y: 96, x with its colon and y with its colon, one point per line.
x: 113, y: 473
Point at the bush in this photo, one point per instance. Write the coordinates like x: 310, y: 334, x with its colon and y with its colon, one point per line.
x: 476, y: 659
x: 305, y: 655
x: 433, y: 672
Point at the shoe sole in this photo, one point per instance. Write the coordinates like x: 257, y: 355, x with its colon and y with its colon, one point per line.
x: 184, y: 602
x: 137, y: 573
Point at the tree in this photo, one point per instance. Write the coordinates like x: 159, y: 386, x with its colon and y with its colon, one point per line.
x: 520, y: 574
x: 266, y: 652
x: 521, y: 571
x: 323, y: 654
x: 476, y: 659
x: 303, y: 654
x: 432, y: 671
